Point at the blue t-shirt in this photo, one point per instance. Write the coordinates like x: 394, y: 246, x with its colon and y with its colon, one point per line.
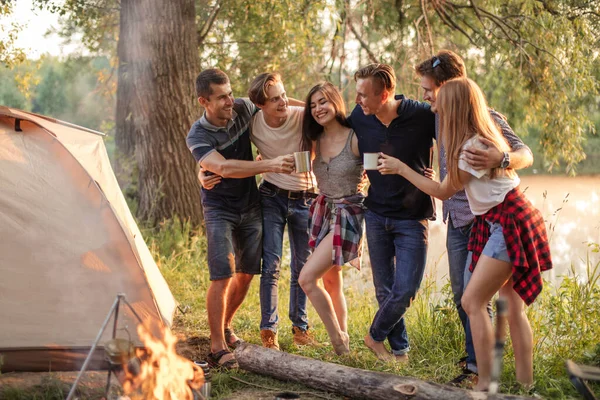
x: 408, y: 138
x: 232, y: 142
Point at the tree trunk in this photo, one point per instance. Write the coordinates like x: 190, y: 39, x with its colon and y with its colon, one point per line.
x: 163, y: 65
x: 352, y: 382
x: 124, y: 127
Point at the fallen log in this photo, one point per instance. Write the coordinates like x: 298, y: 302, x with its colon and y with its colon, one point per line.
x: 351, y: 382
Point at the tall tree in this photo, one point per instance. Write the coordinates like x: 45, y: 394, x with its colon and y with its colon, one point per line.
x: 163, y: 62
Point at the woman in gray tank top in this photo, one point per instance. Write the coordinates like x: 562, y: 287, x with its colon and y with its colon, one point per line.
x: 336, y: 215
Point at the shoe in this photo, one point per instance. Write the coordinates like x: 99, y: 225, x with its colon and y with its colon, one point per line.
x: 224, y: 360
x: 462, y: 363
x: 303, y: 338
x: 231, y: 338
x: 269, y: 339
x: 467, y: 379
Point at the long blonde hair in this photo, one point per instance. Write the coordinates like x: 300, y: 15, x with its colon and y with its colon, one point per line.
x: 463, y: 114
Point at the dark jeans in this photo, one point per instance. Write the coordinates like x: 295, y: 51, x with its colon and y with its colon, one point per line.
x: 457, y: 241
x: 234, y: 241
x: 278, y: 211
x: 398, y: 252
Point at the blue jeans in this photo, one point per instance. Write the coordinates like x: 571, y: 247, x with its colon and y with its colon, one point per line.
x: 457, y: 241
x: 233, y: 241
x: 398, y: 253
x: 278, y: 211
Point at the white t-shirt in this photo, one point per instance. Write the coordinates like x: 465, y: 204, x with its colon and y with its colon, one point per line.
x: 275, y: 142
x: 483, y: 192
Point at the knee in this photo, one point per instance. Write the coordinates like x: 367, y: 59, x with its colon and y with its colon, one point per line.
x: 331, y: 284
x: 307, y: 283
x: 269, y: 273
x: 471, y: 304
x: 243, y: 279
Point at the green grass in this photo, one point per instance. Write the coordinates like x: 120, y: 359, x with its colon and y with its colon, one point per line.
x: 50, y: 388
x: 565, y: 320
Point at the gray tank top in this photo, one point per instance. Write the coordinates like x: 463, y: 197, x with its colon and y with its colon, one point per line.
x: 342, y: 175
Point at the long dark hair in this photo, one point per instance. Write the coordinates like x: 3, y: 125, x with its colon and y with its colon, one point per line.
x: 311, y: 129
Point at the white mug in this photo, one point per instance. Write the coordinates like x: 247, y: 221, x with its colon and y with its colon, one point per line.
x: 302, y: 161
x: 370, y: 160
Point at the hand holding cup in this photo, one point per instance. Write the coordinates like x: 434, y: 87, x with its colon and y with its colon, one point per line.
x: 302, y: 161
x: 283, y: 164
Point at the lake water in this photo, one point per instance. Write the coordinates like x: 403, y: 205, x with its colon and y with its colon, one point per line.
x: 571, y: 208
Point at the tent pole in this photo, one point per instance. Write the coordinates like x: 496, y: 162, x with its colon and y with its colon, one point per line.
x: 114, y: 335
x: 89, y: 356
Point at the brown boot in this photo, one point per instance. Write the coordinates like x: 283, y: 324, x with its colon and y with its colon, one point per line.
x: 269, y: 339
x: 304, y: 338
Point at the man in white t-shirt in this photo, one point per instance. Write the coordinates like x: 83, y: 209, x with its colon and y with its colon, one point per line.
x: 286, y: 198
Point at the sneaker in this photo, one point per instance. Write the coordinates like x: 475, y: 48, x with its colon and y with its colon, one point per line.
x: 467, y: 379
x: 303, y: 337
x: 269, y: 339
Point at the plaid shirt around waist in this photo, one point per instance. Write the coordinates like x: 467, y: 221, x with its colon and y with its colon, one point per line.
x: 526, y: 242
x: 348, y: 217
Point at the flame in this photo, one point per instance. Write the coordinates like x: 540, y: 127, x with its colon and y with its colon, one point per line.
x: 163, y: 374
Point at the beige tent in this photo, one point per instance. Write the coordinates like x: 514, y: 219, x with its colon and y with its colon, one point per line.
x: 68, y: 246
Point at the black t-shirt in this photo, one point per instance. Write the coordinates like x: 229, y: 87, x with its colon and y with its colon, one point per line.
x: 408, y: 138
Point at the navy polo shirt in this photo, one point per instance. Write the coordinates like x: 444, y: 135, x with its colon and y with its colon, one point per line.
x: 409, y: 138
x: 232, y: 142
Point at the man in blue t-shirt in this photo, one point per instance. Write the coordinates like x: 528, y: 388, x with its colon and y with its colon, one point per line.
x: 220, y: 143
x: 434, y: 72
x: 397, y: 212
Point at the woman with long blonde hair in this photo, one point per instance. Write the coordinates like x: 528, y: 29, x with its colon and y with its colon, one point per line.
x: 508, y: 247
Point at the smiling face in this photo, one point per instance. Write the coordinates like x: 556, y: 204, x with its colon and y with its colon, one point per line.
x: 276, y: 105
x: 219, y: 104
x: 367, y: 97
x: 321, y: 109
x: 430, y: 91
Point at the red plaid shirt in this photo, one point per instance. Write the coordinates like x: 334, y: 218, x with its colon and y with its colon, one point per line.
x: 347, y: 227
x: 526, y: 242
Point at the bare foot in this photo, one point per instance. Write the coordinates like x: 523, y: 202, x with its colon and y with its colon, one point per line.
x: 344, y: 346
x: 378, y: 348
x: 401, y: 358
x: 481, y: 385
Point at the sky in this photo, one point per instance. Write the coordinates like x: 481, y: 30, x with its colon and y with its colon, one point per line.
x: 35, y: 24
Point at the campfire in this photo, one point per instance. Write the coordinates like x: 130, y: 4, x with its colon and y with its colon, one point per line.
x: 156, y: 371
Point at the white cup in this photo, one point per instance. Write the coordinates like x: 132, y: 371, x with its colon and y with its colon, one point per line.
x: 302, y: 161
x: 370, y: 160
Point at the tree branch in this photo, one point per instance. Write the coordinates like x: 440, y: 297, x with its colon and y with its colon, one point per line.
x: 362, y: 42
x: 207, y: 26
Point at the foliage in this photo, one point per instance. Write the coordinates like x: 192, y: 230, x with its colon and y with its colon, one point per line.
x: 9, y: 54
x: 72, y: 90
x: 536, y: 60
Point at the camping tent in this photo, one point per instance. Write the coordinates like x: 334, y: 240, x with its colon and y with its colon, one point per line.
x: 68, y: 246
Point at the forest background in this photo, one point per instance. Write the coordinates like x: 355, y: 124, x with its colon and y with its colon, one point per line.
x: 133, y: 76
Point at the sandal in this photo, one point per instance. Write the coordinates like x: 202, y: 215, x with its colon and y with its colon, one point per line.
x: 216, y: 360
x: 228, y: 335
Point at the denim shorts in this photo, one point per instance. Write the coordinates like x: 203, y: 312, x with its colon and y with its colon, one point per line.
x: 496, y: 246
x: 234, y: 241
